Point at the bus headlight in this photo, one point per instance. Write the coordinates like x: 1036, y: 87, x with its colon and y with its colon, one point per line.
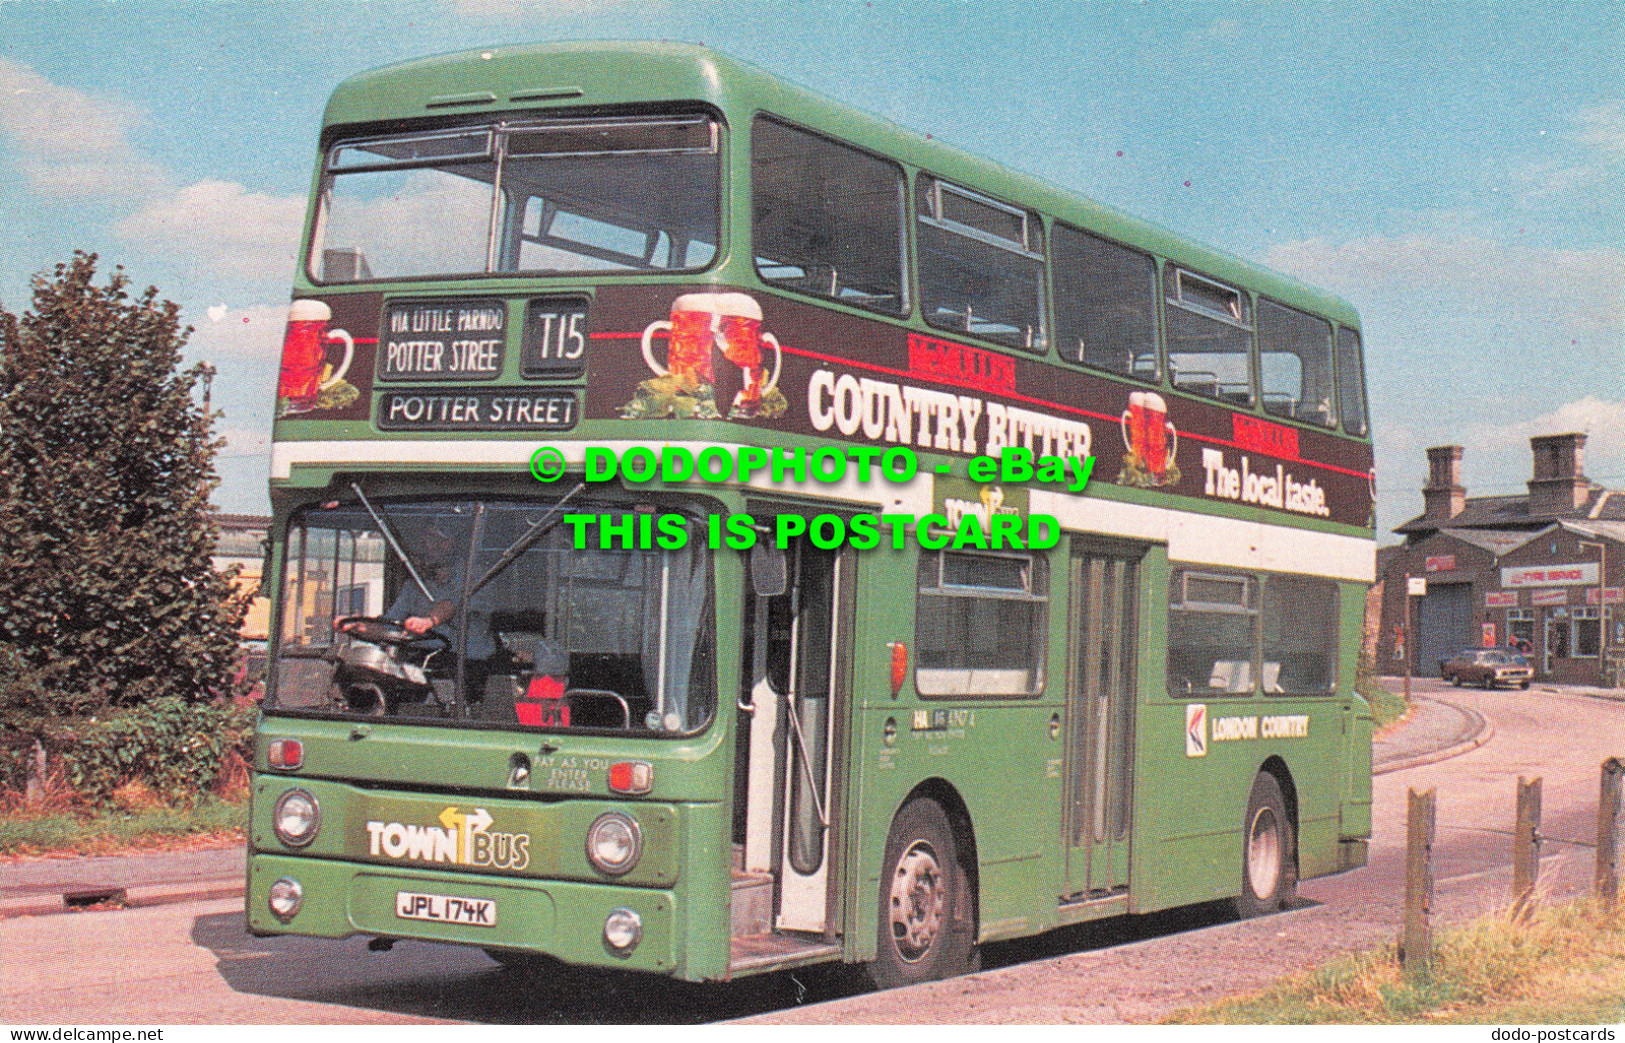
x: 614, y: 843
x: 285, y: 898
x: 623, y: 930
x: 296, y: 818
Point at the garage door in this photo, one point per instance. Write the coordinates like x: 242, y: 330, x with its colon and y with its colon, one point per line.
x: 1444, y: 625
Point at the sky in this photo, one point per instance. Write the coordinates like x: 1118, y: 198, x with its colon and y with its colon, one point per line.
x: 1456, y: 171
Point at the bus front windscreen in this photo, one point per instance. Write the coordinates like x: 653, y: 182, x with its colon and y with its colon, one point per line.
x: 483, y: 612
x: 564, y: 196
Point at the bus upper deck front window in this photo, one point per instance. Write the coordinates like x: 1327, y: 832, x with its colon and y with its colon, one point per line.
x: 634, y: 194
x: 488, y: 614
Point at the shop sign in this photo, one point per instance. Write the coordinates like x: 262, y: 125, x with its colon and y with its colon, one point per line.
x: 1574, y: 575
x: 1550, y: 597
x: 1613, y: 595
x: 1501, y: 599
x: 1441, y: 563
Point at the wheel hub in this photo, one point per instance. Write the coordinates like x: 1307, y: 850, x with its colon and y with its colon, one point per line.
x: 1264, y: 853
x: 917, y: 901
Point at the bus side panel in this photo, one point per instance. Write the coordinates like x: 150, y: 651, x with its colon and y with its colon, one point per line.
x: 998, y: 757
x: 1191, y: 794
x: 1356, y: 805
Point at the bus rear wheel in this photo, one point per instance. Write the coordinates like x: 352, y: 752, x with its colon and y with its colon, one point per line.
x: 1269, y: 853
x: 926, y: 929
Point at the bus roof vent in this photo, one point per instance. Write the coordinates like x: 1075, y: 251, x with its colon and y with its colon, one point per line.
x: 546, y: 93
x: 449, y: 101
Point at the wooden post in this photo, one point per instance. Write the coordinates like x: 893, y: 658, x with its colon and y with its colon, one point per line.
x: 1410, y: 646
x: 1526, y: 847
x: 1416, y: 944
x: 1608, y: 809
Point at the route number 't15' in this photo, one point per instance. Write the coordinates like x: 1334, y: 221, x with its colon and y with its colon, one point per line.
x: 560, y: 336
x: 555, y: 341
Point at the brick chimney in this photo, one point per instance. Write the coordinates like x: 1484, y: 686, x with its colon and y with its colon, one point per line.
x: 1559, y: 485
x: 1443, y: 497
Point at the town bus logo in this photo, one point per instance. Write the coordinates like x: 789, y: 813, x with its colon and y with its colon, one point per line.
x: 685, y: 384
x: 460, y: 839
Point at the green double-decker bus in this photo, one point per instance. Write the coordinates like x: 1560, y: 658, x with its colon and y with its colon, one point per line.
x: 674, y: 756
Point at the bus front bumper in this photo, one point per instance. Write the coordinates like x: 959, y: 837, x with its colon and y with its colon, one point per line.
x: 558, y: 918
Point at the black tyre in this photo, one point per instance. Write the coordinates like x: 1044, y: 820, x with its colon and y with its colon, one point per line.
x: 1456, y: 680
x: 1489, y: 682
x: 1524, y: 685
x: 927, y: 924
x: 1269, y: 851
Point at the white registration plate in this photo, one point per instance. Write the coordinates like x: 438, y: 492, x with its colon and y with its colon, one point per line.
x: 470, y: 912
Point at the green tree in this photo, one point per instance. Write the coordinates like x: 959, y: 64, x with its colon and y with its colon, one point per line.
x: 107, y: 593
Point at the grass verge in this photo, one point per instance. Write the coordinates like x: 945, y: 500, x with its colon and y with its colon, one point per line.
x: 211, y: 820
x: 1386, y: 707
x: 1565, y: 966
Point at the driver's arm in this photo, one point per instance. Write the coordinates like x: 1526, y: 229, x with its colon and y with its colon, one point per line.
x: 441, y: 613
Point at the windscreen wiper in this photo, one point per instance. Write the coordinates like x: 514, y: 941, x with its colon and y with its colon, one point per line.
x: 523, y: 543
x: 394, y: 544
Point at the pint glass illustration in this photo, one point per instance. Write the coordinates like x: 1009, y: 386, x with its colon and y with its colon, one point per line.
x: 306, y: 371
x: 1150, y: 440
x: 685, y: 384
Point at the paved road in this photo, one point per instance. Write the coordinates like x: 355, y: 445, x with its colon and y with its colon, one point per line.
x: 193, y: 962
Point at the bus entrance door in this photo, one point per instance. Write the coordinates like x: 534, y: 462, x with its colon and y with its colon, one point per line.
x: 1104, y: 624
x: 796, y: 735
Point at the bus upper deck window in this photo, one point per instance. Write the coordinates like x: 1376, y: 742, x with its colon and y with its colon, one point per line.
x: 1295, y: 364
x: 981, y: 266
x: 1210, y: 329
x: 622, y: 194
x: 827, y: 219
x: 1105, y: 304
x: 1350, y: 382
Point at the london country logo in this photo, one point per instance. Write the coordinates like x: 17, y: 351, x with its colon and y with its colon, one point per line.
x: 465, y: 839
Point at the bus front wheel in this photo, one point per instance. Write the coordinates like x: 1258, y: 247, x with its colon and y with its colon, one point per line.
x: 927, y: 929
x: 1269, y: 855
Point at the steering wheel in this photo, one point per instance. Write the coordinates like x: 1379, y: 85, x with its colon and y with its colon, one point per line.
x: 380, y: 631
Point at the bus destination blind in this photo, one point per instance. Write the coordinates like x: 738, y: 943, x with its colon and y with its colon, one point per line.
x: 464, y: 409
x: 445, y: 339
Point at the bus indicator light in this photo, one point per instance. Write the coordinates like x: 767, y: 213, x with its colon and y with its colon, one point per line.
x: 899, y: 666
x: 632, y: 777
x: 287, y: 754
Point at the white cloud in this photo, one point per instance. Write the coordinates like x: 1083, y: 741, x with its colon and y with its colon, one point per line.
x: 221, y: 224
x: 1584, y: 289
x: 245, y: 346
x: 512, y: 10
x: 227, y: 333
x: 1585, y: 158
x: 69, y: 143
x: 1602, y: 421
x: 1602, y: 128
x: 245, y: 441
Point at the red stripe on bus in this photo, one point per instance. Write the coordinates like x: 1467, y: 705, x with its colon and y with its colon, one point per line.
x: 837, y: 361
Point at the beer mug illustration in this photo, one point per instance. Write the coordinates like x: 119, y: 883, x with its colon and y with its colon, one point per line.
x: 740, y: 336
x: 1148, y: 434
x: 699, y: 323
x: 690, y: 331
x: 304, y: 355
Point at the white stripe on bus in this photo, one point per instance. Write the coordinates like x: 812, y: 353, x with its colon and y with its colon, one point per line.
x: 1202, y: 539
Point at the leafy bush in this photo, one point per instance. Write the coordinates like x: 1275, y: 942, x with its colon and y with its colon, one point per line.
x: 108, y: 591
x: 170, y: 747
